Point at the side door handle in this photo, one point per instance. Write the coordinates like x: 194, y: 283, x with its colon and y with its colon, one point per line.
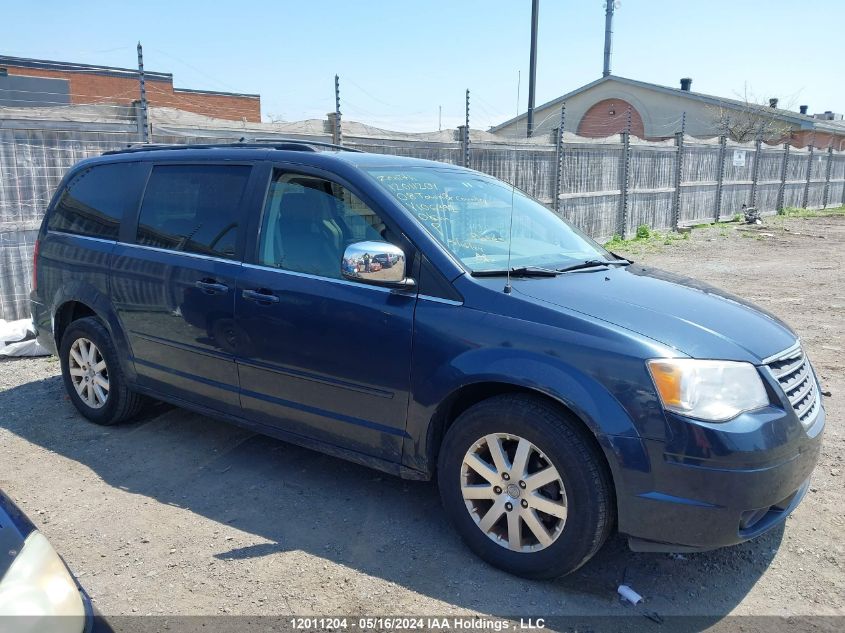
x: 211, y: 286
x: 261, y: 296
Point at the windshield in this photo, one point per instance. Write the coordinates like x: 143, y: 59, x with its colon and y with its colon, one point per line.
x: 470, y: 214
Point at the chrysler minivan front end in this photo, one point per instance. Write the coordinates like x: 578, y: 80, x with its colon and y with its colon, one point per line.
x: 722, y: 428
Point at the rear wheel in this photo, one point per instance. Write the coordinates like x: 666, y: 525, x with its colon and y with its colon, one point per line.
x: 525, y: 487
x: 92, y: 375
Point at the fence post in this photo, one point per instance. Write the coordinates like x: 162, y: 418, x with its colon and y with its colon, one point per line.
x: 465, y: 140
x: 559, y: 158
x: 828, y: 171
x: 783, y: 170
x: 809, y: 176
x: 755, y: 171
x: 337, y: 129
x: 145, y: 125
x: 723, y: 152
x: 625, y: 172
x: 679, y: 165
x: 843, y: 194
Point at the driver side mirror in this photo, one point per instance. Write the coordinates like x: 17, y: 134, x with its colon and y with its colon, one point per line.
x: 377, y: 263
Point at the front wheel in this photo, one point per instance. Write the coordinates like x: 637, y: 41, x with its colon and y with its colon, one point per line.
x: 525, y: 487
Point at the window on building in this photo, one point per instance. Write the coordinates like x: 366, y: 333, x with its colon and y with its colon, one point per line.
x: 193, y: 208
x: 96, y: 199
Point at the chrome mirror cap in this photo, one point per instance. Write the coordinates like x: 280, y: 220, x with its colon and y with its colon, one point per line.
x: 372, y: 262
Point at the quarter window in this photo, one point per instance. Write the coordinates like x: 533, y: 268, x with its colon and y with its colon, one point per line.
x: 193, y: 208
x: 309, y: 221
x: 96, y: 199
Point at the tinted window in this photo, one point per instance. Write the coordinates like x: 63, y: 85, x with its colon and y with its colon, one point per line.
x: 193, y: 208
x: 309, y: 221
x: 95, y: 200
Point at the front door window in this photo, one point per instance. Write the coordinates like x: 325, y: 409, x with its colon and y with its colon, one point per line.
x: 309, y: 221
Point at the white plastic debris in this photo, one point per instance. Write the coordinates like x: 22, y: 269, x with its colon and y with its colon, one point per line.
x: 17, y: 338
x: 629, y: 594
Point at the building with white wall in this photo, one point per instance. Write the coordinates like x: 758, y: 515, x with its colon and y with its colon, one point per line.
x: 601, y: 108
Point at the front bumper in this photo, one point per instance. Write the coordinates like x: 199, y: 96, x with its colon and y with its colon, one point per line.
x: 715, y: 485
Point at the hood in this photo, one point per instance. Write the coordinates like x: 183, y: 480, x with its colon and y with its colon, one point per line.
x: 695, y: 318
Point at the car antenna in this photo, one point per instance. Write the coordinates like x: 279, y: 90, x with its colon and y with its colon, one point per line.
x: 513, y: 193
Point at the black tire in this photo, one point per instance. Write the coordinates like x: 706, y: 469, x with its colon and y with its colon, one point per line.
x: 122, y: 403
x: 565, y: 443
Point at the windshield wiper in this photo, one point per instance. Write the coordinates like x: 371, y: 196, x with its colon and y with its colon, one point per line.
x: 521, y: 271
x: 594, y: 263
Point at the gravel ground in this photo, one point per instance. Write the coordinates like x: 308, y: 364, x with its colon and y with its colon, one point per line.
x: 181, y: 514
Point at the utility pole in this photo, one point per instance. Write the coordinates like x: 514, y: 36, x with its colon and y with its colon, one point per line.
x: 532, y: 66
x: 608, y: 35
x: 145, y: 127
x: 440, y: 118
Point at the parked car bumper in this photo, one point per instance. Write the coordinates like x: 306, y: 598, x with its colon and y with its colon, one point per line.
x: 43, y: 322
x: 717, y: 494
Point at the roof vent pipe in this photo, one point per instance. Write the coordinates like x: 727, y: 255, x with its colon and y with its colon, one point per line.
x: 686, y: 84
x: 803, y: 109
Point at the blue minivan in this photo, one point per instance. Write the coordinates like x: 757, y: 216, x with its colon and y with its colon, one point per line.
x: 432, y: 322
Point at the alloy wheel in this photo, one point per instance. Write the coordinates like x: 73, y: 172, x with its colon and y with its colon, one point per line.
x: 513, y: 492
x: 89, y: 373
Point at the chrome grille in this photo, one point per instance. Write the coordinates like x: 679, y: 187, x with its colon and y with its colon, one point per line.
x: 792, y: 370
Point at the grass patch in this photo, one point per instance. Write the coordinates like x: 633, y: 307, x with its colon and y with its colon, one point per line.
x: 795, y: 212
x: 645, y: 239
x: 643, y: 232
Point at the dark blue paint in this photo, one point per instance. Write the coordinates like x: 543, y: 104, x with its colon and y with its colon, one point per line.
x: 180, y: 335
x: 370, y: 374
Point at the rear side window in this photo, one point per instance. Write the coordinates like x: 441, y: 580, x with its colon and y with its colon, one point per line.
x: 193, y: 208
x: 95, y: 200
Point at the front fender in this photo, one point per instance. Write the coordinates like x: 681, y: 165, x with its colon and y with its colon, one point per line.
x: 584, y: 396
x: 596, y: 371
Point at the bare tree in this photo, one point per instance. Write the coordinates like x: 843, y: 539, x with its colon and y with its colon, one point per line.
x: 748, y: 119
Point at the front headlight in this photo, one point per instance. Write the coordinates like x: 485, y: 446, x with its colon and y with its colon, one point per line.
x: 712, y: 390
x: 37, y: 588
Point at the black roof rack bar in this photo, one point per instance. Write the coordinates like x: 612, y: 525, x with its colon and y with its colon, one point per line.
x: 342, y: 148
x: 291, y: 144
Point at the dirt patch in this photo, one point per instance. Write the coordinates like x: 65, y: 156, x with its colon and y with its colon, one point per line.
x: 179, y: 513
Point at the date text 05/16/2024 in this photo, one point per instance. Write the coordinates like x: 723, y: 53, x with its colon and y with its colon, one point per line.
x: 415, y: 624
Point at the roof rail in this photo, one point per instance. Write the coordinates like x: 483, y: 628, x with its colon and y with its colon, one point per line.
x: 342, y: 148
x: 290, y: 144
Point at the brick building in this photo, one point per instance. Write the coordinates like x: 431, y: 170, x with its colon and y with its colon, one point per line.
x: 601, y: 108
x: 39, y: 83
